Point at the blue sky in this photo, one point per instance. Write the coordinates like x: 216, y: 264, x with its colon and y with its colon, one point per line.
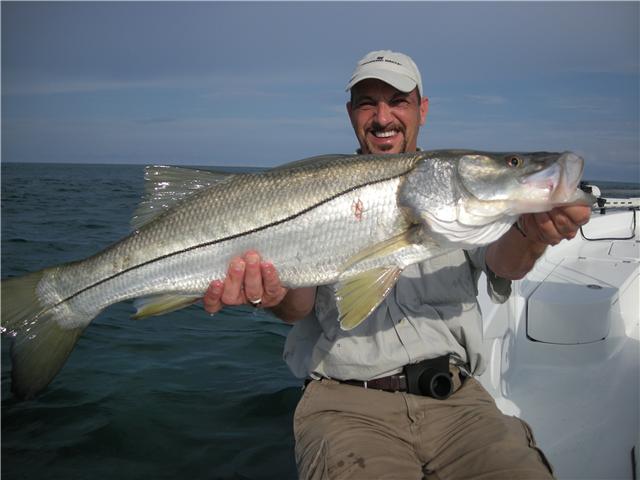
x: 259, y: 84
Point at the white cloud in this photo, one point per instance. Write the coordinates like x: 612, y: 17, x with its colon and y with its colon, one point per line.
x: 486, y: 99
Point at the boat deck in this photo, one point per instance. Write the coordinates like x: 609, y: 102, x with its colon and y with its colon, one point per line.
x: 565, y: 351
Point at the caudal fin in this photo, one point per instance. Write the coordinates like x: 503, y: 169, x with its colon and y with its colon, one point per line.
x: 40, y: 344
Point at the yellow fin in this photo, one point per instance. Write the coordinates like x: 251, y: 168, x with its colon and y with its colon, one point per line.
x: 383, y: 249
x: 358, y: 296
x: 161, y: 304
x: 40, y: 344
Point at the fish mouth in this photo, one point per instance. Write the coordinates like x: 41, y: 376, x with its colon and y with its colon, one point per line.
x: 557, y: 182
x: 572, y: 169
x: 542, y: 184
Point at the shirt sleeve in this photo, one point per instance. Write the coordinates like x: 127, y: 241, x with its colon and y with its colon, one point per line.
x: 498, y: 288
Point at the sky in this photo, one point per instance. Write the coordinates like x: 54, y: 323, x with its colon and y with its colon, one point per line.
x: 263, y: 83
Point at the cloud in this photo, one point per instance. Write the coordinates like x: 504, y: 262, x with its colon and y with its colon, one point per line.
x: 586, y: 103
x: 29, y: 84
x: 202, y: 82
x: 157, y: 120
x: 216, y: 85
x: 486, y: 99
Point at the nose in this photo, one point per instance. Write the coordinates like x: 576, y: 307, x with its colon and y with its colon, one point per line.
x: 383, y: 113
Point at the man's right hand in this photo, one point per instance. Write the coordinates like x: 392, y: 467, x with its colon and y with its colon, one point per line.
x: 249, y: 281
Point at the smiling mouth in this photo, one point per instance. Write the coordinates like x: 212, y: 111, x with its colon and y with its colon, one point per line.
x: 385, y: 134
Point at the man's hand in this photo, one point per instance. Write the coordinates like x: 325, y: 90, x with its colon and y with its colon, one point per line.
x: 550, y: 228
x: 249, y: 281
x: 513, y: 255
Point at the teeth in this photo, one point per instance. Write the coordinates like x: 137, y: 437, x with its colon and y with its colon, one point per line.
x: 390, y: 133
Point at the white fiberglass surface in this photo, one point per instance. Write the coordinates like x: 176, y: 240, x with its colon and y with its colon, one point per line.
x: 581, y: 399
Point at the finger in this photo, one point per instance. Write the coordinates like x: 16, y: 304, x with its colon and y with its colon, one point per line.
x: 234, y: 283
x: 274, y: 292
x: 527, y: 225
x: 212, y: 298
x: 541, y: 225
x: 578, y: 214
x: 545, y: 229
x: 252, y: 277
x: 563, y: 224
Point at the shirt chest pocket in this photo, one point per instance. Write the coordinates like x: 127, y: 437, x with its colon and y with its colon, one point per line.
x: 445, y: 279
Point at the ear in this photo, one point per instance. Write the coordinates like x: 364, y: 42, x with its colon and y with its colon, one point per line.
x: 424, y: 108
x: 350, y: 112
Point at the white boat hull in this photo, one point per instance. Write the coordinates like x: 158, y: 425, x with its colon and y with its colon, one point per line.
x: 565, y: 351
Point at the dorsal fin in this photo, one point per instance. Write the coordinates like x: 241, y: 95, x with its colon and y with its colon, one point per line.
x: 164, y: 186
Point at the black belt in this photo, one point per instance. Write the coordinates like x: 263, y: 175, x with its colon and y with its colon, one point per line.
x: 433, y: 378
x: 392, y: 383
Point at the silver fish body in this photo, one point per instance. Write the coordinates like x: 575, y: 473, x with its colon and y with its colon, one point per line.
x: 356, y: 221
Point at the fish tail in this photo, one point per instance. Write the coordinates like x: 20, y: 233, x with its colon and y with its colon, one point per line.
x: 44, y: 333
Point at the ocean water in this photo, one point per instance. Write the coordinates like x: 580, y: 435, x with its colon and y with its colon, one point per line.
x: 611, y: 189
x: 184, y: 395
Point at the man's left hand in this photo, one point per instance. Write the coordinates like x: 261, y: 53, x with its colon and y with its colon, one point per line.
x: 550, y: 228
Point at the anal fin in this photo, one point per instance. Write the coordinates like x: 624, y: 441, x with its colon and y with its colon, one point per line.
x: 161, y: 304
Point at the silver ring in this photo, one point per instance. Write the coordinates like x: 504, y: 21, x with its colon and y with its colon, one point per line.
x: 256, y: 303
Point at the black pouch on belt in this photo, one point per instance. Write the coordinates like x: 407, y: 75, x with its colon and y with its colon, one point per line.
x: 430, y: 378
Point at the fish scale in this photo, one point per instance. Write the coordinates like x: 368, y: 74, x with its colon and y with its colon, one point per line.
x: 191, y: 272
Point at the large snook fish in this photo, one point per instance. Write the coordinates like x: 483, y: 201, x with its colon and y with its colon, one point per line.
x: 355, y: 221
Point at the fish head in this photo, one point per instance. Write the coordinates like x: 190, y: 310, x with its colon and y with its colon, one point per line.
x: 467, y: 198
x: 517, y: 183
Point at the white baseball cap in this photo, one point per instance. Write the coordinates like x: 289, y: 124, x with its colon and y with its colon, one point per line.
x: 396, y: 69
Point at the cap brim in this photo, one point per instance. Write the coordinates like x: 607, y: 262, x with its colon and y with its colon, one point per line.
x: 396, y: 80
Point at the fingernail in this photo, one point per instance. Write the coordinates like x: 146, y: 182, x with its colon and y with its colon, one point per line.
x: 238, y: 266
x: 252, y: 259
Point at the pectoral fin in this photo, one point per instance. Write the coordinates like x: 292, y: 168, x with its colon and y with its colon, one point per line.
x: 383, y: 250
x: 161, y: 304
x: 358, y: 296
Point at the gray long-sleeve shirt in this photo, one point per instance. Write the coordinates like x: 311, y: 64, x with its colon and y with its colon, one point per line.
x: 432, y: 311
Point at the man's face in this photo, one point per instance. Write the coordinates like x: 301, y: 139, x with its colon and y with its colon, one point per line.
x: 384, y: 119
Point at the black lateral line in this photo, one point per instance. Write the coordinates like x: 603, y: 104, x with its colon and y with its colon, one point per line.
x: 230, y: 237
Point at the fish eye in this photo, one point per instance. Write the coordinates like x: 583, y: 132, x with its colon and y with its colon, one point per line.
x: 514, y: 161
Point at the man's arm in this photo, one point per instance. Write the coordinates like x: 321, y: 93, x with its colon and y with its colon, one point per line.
x: 296, y: 304
x: 514, y: 254
x: 248, y: 278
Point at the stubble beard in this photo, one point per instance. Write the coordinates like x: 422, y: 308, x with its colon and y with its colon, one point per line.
x: 386, y: 148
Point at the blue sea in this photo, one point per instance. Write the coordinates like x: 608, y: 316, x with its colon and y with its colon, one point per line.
x: 185, y: 395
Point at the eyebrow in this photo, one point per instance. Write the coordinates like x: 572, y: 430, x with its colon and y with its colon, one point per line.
x: 398, y: 94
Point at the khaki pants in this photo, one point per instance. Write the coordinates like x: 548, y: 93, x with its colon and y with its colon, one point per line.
x: 344, y: 431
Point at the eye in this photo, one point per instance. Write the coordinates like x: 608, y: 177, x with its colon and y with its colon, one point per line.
x: 399, y: 101
x: 365, y: 104
x: 514, y: 161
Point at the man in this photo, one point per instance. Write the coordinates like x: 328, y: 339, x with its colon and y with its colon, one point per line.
x: 356, y: 418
